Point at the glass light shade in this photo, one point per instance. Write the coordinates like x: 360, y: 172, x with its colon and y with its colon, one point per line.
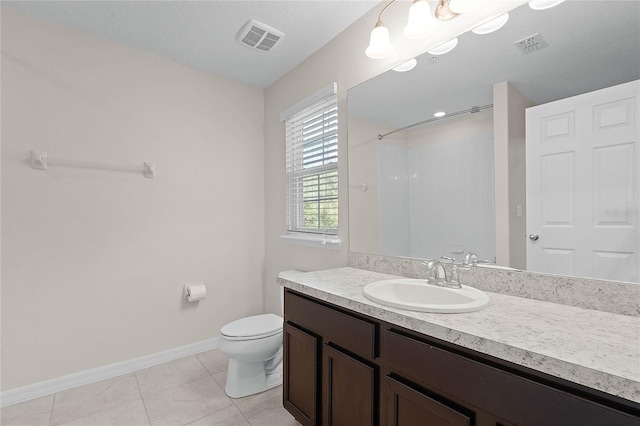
x: 491, y: 26
x: 420, y: 23
x: 443, y: 13
x: 543, y: 4
x: 379, y: 44
x: 406, y: 66
x: 444, y: 47
x: 464, y: 6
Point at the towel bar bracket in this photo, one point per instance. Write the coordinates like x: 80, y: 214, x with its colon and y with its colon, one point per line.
x: 39, y: 162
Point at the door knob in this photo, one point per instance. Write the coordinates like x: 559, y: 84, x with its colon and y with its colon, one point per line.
x: 534, y: 237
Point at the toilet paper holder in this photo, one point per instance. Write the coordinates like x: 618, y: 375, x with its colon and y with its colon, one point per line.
x: 194, y: 292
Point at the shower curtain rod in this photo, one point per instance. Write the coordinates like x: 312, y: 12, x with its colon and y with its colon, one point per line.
x: 471, y: 110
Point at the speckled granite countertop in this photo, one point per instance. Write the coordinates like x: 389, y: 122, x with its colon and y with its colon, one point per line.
x: 593, y: 348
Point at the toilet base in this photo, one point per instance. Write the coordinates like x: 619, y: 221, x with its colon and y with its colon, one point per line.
x: 248, y: 378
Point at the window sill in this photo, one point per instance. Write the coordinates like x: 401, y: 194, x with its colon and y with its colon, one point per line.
x: 324, y: 241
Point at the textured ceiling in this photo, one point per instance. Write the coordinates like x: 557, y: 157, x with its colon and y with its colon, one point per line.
x: 592, y: 45
x: 202, y: 34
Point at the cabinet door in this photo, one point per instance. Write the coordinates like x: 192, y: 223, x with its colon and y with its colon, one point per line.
x: 405, y: 406
x: 349, y: 390
x: 301, y: 372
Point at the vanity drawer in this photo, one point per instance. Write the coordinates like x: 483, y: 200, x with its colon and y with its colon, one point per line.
x: 353, y: 333
x: 521, y: 400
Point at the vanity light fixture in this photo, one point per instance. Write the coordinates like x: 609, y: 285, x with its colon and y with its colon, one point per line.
x: 493, y: 25
x: 464, y: 6
x: 420, y: 23
x: 544, y: 4
x: 406, y: 66
x: 440, y: 114
x: 443, y: 12
x: 379, y: 44
x: 444, y: 47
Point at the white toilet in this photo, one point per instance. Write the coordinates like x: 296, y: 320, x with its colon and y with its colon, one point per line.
x: 254, y: 347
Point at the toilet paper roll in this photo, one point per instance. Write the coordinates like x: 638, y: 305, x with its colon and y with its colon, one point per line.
x: 196, y: 292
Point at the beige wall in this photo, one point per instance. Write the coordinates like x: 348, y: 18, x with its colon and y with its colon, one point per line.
x: 93, y: 261
x: 341, y: 60
x: 509, y: 154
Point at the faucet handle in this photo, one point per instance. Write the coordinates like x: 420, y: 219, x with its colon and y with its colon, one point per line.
x: 470, y: 259
x: 455, y: 277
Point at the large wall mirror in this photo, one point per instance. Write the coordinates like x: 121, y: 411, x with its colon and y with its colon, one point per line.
x: 536, y: 164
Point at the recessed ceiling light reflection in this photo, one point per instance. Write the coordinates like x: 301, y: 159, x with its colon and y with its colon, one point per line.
x: 440, y: 114
x: 492, y: 25
x: 444, y: 47
x: 406, y: 66
x: 544, y: 4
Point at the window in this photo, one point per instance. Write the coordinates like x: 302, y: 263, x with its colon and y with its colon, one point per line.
x: 312, y: 167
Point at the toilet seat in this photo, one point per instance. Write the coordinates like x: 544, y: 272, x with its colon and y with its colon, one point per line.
x: 254, y: 327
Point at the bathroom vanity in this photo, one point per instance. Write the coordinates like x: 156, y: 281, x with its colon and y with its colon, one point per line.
x: 350, y: 361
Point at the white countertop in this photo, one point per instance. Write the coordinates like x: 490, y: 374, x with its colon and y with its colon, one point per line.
x: 597, y: 349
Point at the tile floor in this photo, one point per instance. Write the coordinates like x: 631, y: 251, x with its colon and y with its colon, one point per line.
x: 188, y: 391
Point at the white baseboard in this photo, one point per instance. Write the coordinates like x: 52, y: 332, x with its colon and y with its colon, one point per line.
x: 86, y: 377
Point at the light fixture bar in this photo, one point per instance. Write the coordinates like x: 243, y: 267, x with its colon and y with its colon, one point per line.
x: 471, y: 110
x: 443, y: 13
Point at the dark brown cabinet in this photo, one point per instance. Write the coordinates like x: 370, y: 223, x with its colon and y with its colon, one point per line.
x: 342, y: 389
x: 348, y: 390
x: 346, y: 369
x: 406, y: 406
x: 301, y: 374
x: 491, y: 391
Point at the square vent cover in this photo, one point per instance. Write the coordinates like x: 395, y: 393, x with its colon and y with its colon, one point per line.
x: 531, y: 44
x: 257, y: 35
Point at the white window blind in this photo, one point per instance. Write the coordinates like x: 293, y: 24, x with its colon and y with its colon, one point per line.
x: 312, y: 168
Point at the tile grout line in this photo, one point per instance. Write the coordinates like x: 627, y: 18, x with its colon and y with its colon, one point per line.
x: 202, y: 364
x: 53, y: 404
x: 243, y: 415
x: 196, y: 420
x: 233, y: 400
x: 209, y: 375
x: 142, y: 398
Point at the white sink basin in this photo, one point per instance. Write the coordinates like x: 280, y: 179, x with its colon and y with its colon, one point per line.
x: 417, y: 295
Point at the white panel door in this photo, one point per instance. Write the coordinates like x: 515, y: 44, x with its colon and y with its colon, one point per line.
x: 583, y: 185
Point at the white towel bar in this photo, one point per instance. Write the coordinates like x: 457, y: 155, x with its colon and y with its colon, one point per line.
x: 41, y: 162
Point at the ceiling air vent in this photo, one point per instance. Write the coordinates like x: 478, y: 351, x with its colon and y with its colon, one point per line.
x: 257, y: 35
x: 531, y: 44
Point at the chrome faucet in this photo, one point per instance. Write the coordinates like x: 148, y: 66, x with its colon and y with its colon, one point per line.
x: 437, y: 274
x: 471, y: 259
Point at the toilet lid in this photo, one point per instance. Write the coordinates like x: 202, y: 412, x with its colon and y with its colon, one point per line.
x: 255, y: 326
